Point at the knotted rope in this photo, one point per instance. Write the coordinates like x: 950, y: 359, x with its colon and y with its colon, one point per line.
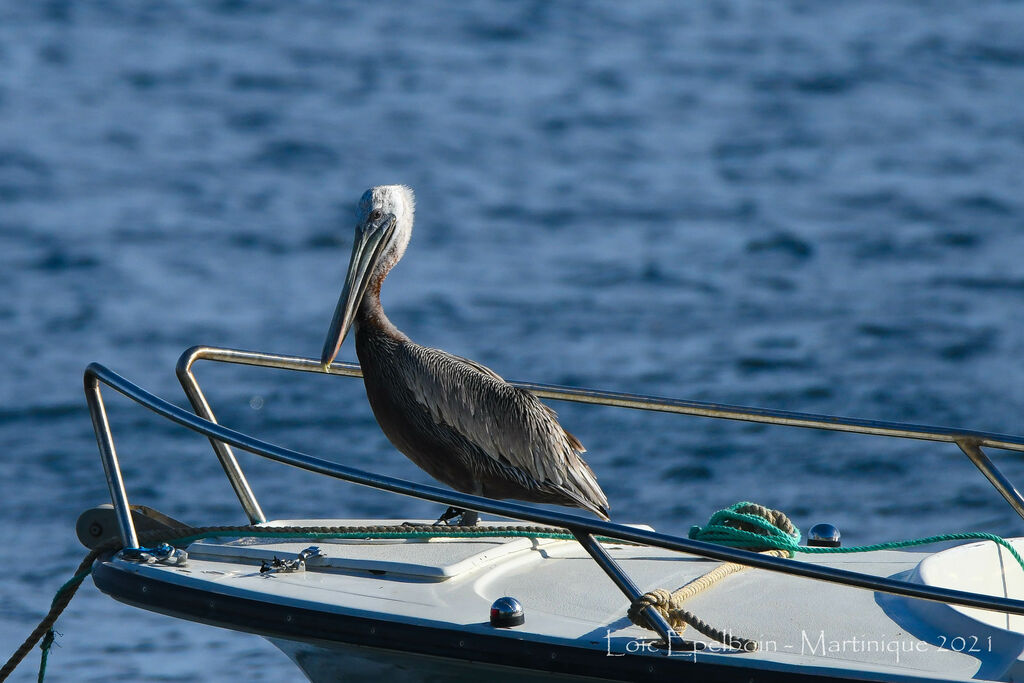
x: 743, y: 525
x: 755, y: 527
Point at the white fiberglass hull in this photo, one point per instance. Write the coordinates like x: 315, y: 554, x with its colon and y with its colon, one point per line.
x: 390, y: 610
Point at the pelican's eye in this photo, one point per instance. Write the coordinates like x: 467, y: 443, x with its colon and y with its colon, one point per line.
x: 375, y: 215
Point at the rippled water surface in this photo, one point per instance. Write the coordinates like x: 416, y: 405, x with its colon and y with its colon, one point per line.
x: 794, y: 205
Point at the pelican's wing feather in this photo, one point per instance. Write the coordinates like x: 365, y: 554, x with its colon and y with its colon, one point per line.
x: 508, y: 424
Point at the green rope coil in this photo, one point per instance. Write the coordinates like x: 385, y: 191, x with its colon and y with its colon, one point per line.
x: 756, y: 527
x: 749, y: 526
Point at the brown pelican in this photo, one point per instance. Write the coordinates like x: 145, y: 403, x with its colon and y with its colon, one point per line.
x: 455, y: 418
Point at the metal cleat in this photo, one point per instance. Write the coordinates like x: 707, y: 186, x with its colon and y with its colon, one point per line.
x: 165, y: 553
x: 277, y: 565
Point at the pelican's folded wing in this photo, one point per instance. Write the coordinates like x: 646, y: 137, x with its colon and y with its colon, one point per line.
x: 507, y: 423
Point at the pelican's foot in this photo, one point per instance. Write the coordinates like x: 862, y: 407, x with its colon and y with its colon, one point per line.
x: 457, y: 517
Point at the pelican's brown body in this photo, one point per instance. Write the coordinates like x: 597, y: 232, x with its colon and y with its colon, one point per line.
x: 413, y: 391
x: 456, y: 419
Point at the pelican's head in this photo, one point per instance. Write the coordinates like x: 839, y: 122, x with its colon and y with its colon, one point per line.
x: 382, y: 234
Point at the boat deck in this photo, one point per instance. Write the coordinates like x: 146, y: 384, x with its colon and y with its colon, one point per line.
x: 430, y: 598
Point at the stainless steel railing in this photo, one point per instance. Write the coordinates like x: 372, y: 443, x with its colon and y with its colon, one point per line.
x: 969, y: 441
x: 583, y: 528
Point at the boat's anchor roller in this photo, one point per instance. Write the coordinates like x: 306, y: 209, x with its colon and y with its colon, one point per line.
x: 97, y: 526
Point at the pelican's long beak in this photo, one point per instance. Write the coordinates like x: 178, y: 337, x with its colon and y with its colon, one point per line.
x: 366, y: 251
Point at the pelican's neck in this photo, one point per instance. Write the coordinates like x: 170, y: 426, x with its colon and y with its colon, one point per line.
x: 370, y: 316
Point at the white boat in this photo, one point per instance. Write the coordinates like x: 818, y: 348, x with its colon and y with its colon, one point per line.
x: 366, y: 599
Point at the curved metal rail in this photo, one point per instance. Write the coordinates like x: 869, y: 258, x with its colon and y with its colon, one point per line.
x: 969, y: 441
x: 582, y: 527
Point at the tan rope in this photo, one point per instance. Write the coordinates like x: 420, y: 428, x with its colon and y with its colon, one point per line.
x: 670, y: 605
x: 777, y: 517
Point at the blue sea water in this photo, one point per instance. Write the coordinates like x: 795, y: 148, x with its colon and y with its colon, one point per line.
x: 806, y: 206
